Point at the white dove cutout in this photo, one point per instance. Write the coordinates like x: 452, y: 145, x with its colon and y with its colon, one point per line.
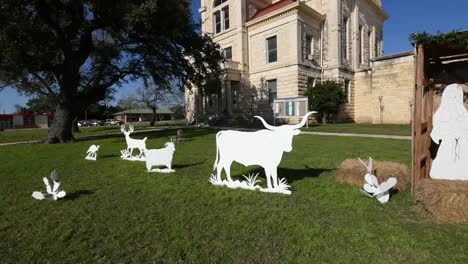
x: 372, y: 188
x: 52, y: 192
x: 91, y: 154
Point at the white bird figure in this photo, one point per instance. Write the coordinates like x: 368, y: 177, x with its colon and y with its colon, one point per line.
x: 139, y: 144
x: 52, y: 191
x: 91, y: 154
x: 372, y: 188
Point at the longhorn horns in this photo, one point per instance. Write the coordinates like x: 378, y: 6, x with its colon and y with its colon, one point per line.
x: 301, y: 124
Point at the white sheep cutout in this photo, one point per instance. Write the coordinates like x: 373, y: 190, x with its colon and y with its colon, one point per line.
x: 139, y: 144
x: 160, y: 157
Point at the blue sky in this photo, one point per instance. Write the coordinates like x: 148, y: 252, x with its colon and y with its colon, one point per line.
x: 406, y: 17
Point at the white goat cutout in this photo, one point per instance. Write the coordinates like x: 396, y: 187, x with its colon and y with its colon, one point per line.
x: 451, y: 127
x: 264, y: 148
x: 160, y: 157
x: 91, y: 154
x: 372, y: 188
x: 132, y: 144
x: 52, y: 192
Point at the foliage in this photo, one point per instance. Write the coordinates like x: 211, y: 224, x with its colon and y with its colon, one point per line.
x: 452, y: 38
x: 182, y: 218
x: 326, y: 97
x: 79, y: 52
x: 40, y: 105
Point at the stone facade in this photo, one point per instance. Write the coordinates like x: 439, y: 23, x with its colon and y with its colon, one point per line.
x: 384, y: 93
x: 312, y: 40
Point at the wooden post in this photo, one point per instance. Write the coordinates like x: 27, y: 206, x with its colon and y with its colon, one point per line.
x: 430, y: 113
x: 417, y: 128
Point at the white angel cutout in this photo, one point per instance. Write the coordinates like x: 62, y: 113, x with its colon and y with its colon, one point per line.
x: 52, y: 191
x: 91, y: 154
x: 372, y: 188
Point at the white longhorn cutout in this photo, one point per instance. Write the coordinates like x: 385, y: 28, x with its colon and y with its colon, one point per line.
x: 52, y: 191
x: 91, y: 154
x: 263, y: 148
x: 132, y: 144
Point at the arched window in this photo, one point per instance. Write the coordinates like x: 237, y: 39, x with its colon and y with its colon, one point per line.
x: 218, y: 2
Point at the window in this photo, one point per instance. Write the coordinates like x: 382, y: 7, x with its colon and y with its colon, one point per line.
x: 309, y: 47
x: 221, y: 19
x: 235, y: 90
x: 217, y: 17
x: 290, y: 108
x: 272, y: 52
x: 271, y: 84
x: 219, y: 2
x: 347, y: 91
x: 310, y: 82
x: 376, y: 47
x: 360, y: 45
x: 226, y: 17
x: 369, y: 46
x: 228, y: 53
x: 345, y: 38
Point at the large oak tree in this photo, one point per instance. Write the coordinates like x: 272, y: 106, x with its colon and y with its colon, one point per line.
x: 77, y: 52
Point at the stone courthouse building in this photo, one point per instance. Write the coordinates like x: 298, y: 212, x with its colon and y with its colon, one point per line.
x: 277, y: 49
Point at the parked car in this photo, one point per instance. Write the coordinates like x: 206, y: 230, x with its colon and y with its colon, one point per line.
x: 111, y: 122
x: 83, y: 123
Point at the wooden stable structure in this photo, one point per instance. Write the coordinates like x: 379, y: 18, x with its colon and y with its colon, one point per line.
x: 438, y: 62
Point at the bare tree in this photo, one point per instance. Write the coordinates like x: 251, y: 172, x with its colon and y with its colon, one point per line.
x: 152, y: 96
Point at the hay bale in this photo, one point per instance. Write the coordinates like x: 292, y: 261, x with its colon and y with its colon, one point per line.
x: 445, y: 200
x: 352, y: 172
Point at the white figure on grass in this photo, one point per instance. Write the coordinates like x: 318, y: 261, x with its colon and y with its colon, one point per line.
x: 264, y: 148
x: 160, y: 157
x: 91, y: 154
x: 372, y: 188
x: 132, y: 144
x: 450, y: 131
x: 52, y: 191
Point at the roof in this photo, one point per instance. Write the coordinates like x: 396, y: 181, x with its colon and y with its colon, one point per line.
x: 142, y: 111
x: 273, y: 7
x: 442, y: 45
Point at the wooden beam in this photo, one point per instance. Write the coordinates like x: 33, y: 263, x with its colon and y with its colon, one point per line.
x: 417, y: 127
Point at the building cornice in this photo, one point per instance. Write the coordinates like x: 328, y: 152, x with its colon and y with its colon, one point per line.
x: 378, y: 8
x: 290, y: 9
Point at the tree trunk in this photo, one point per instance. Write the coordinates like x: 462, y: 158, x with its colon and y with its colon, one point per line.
x: 75, y: 127
x: 153, y: 120
x: 324, y: 118
x: 61, y: 129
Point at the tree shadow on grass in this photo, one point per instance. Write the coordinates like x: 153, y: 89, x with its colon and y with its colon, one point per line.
x: 77, y: 194
x: 109, y: 156
x: 181, y: 166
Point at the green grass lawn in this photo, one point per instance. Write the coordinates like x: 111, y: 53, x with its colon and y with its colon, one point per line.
x: 400, y: 130
x: 115, y: 212
x: 19, y: 135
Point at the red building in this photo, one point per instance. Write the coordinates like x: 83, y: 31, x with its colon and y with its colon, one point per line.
x: 10, y: 121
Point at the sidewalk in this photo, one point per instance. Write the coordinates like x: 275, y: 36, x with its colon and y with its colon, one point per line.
x: 220, y: 128
x: 98, y: 136
x: 326, y: 133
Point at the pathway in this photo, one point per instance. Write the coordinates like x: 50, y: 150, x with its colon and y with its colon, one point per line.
x: 221, y: 128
